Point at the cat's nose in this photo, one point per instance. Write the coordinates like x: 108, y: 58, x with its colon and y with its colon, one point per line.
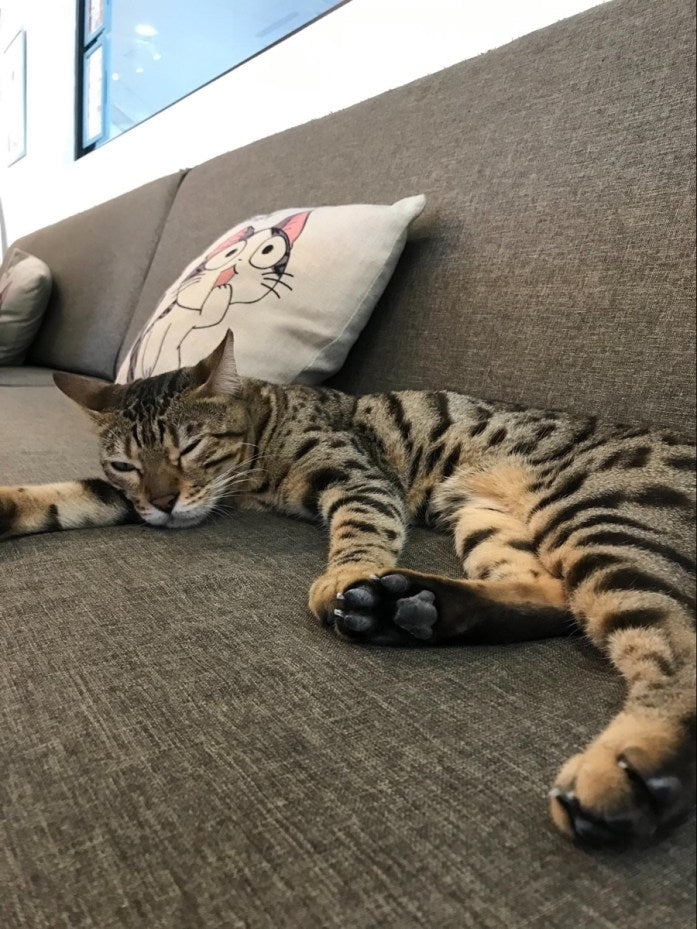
x: 165, y: 502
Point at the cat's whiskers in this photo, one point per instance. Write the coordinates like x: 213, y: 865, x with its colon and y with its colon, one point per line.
x: 236, y: 468
x: 239, y: 465
x: 233, y: 482
x: 223, y: 483
x: 221, y: 509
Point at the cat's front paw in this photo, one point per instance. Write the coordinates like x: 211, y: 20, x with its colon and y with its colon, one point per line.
x: 633, y: 781
x: 398, y: 608
x: 330, y: 586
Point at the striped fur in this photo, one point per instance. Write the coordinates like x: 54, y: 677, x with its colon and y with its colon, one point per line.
x: 550, y: 515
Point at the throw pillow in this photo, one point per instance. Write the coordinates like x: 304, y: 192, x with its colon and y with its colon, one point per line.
x: 25, y: 286
x: 296, y: 287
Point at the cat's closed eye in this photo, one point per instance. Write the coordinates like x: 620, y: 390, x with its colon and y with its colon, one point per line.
x: 192, y: 445
x: 122, y: 466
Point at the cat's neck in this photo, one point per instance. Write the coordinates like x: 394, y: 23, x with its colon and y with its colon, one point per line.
x: 296, y: 406
x: 266, y: 406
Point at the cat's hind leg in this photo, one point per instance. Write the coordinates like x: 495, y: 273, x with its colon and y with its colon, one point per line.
x: 618, y: 528
x: 493, y: 541
x: 630, y: 590
x: 637, y: 776
x: 405, y: 607
x: 509, y: 596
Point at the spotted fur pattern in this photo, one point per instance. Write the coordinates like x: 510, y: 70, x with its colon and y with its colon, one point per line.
x: 559, y: 523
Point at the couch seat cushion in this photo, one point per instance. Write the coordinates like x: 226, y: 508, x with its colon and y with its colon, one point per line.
x: 43, y: 435
x: 26, y: 376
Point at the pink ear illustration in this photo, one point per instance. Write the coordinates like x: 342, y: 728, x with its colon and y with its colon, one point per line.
x: 235, y: 237
x: 293, y: 225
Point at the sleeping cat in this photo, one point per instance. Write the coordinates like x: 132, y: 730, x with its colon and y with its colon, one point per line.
x: 559, y: 523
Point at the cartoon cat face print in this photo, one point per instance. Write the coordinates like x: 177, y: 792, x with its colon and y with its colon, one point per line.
x: 249, y: 265
x: 243, y: 269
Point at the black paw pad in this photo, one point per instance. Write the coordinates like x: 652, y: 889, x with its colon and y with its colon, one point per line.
x: 609, y: 829
x: 665, y: 791
x: 390, y: 610
x: 396, y: 585
x: 659, y: 796
x: 418, y: 614
x: 360, y: 598
x: 353, y: 622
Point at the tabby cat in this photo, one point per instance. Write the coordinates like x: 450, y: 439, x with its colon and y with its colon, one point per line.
x: 560, y: 524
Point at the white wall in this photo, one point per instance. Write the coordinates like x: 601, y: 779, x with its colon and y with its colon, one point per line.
x: 355, y: 52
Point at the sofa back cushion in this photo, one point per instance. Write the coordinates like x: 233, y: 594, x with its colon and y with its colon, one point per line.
x: 25, y: 288
x: 99, y: 260
x: 554, y: 262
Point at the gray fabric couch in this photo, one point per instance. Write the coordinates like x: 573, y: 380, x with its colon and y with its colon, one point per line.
x: 180, y: 745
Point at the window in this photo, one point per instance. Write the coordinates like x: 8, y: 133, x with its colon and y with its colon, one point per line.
x: 136, y: 57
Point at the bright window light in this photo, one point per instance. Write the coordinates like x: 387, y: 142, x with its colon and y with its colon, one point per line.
x: 145, y: 30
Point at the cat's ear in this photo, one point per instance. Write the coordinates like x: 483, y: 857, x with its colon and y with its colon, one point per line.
x: 293, y: 225
x: 217, y: 374
x: 94, y: 395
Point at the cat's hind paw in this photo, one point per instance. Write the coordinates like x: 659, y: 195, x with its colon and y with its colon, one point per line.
x: 633, y: 782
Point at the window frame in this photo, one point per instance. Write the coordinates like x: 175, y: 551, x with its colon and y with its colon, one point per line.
x: 89, y: 37
x: 85, y: 45
x: 87, y: 140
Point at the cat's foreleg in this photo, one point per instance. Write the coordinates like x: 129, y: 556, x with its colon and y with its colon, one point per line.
x: 367, y: 525
x: 403, y: 607
x: 69, y: 505
x: 508, y: 595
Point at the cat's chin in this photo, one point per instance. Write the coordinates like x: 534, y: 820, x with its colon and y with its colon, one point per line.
x: 185, y: 520
x: 175, y: 520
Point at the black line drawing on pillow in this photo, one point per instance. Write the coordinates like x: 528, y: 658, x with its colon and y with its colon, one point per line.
x: 245, y: 268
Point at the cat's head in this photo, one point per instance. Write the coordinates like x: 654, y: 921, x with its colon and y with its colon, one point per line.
x: 175, y: 443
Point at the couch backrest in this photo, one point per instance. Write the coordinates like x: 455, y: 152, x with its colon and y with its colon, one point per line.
x: 99, y: 260
x: 554, y: 263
